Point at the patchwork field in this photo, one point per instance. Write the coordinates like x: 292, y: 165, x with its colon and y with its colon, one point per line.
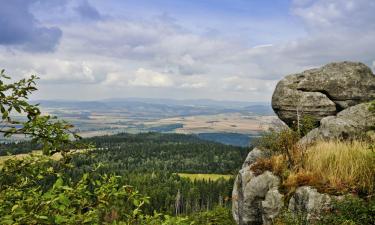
x: 226, y: 122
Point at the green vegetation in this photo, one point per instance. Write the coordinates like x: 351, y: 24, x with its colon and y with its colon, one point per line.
x: 54, y: 135
x: 335, y: 167
x: 350, y: 210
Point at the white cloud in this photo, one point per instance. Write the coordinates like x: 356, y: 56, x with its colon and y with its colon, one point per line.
x: 141, y: 78
x: 149, y: 78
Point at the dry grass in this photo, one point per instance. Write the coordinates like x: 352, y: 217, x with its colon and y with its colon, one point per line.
x: 346, y: 166
x: 332, y: 167
x: 276, y: 163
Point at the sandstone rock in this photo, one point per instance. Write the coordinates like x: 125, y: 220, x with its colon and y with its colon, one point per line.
x: 347, y: 124
x: 251, y: 201
x: 323, y: 92
x: 309, y: 203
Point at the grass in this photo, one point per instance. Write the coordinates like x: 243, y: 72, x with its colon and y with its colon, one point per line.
x: 332, y: 167
x: 201, y: 176
x: 343, y: 165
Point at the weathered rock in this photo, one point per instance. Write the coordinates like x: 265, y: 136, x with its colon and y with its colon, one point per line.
x: 347, y: 124
x: 255, y: 199
x: 309, y: 203
x: 255, y: 154
x: 323, y: 92
x: 272, y: 205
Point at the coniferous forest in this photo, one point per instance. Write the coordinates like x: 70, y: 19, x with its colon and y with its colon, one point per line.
x: 150, y: 162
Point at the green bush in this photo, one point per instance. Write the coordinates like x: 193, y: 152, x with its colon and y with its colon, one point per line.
x: 351, y: 210
x: 26, y: 197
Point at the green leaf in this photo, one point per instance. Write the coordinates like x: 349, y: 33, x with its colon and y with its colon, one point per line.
x: 59, y: 182
x: 64, y: 200
x: 60, y: 219
x: 14, y: 207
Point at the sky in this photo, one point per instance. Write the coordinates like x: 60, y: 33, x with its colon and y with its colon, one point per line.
x: 182, y: 49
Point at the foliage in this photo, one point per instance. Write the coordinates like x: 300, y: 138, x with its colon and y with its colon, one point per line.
x: 25, y: 200
x: 150, y: 160
x: 168, y: 152
x: 53, y: 134
x: 280, y: 141
x: 372, y: 106
x: 352, y: 211
x: 287, y: 217
x: 306, y: 124
x: 218, y: 216
x: 34, y: 190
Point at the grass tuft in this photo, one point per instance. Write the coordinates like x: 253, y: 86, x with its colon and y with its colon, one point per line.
x: 347, y: 166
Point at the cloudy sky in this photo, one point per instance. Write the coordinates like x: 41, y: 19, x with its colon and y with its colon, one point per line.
x: 217, y: 49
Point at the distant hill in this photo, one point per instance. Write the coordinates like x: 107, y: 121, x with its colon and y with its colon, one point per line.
x: 160, y: 107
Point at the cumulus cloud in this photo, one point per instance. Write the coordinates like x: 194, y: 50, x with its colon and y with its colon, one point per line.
x: 19, y: 27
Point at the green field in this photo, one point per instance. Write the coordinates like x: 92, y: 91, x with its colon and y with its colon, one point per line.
x: 202, y: 176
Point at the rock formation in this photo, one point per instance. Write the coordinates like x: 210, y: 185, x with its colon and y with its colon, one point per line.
x: 346, y: 124
x: 337, y: 96
x: 256, y: 199
x: 323, y: 92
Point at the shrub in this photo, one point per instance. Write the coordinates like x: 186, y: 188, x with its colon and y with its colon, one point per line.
x: 351, y: 210
x: 281, y: 141
x: 306, y: 124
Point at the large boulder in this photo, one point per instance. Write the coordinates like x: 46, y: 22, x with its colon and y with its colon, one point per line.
x: 255, y: 199
x: 323, y: 92
x: 348, y: 124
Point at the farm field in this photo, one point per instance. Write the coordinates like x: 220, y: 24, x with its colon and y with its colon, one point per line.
x: 206, y: 177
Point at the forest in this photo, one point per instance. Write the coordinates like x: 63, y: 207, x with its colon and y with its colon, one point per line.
x: 150, y: 162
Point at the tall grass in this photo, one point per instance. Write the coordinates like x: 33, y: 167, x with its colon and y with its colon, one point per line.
x: 342, y: 165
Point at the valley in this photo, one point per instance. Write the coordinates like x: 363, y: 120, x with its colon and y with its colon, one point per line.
x: 210, y: 120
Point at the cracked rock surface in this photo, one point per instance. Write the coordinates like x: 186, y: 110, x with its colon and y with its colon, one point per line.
x: 324, y: 91
x: 256, y: 199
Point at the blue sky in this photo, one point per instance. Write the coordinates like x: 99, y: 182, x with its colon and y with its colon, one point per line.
x: 218, y: 49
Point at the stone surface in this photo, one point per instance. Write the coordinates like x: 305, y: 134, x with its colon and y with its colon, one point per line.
x: 271, y: 206
x: 253, y: 155
x: 347, y: 124
x: 255, y: 199
x: 308, y: 202
x: 323, y: 92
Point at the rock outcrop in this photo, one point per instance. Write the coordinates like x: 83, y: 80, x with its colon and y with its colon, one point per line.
x: 323, y: 92
x: 255, y: 199
x: 336, y: 95
x: 347, y: 124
